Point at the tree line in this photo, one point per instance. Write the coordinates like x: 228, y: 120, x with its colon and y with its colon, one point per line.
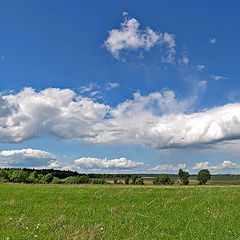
x: 45, y: 176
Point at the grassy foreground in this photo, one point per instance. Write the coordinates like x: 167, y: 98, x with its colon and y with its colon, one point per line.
x: 119, y: 212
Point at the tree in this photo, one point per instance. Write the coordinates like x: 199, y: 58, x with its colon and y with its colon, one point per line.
x: 134, y: 179
x: 126, y: 180
x: 115, y: 181
x: 19, y: 176
x: 203, y: 176
x: 56, y: 180
x: 163, y: 179
x: 140, y: 181
x: 183, y: 176
x: 33, y: 177
x: 4, y: 174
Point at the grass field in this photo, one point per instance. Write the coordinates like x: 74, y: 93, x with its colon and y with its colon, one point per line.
x: 119, y: 212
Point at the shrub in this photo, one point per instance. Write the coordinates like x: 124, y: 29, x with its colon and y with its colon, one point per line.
x: 203, y: 176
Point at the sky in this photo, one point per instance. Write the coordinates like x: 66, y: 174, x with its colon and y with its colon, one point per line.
x: 120, y: 87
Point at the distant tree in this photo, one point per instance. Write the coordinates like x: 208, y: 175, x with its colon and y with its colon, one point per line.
x: 33, y: 177
x: 115, y: 181
x: 163, y: 179
x: 140, y: 181
x: 183, y: 176
x: 3, y: 180
x: 126, y: 180
x: 4, y: 174
x: 56, y: 180
x: 99, y: 181
x: 19, y: 176
x: 134, y: 179
x: 48, y: 177
x: 203, y: 176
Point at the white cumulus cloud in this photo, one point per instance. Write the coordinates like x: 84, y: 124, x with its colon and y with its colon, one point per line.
x: 130, y: 37
x: 157, y: 120
x: 168, y: 167
x: 223, y: 165
x: 27, y: 158
x: 97, y: 163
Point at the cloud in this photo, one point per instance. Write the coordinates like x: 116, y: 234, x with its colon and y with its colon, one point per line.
x: 212, y: 40
x: 184, y: 60
x: 112, y: 85
x: 200, y: 67
x: 201, y: 165
x: 157, y: 120
x: 167, y: 167
x: 97, y: 163
x: 27, y: 158
x: 221, y: 166
x: 130, y: 37
x: 218, y: 77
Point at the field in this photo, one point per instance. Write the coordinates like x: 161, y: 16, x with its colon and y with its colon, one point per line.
x: 119, y: 212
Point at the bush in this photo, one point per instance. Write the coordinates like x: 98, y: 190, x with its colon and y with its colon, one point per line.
x: 140, y: 181
x: 203, y: 176
x: 115, y: 181
x: 163, y: 179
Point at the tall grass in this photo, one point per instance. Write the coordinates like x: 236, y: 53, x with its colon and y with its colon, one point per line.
x: 119, y: 212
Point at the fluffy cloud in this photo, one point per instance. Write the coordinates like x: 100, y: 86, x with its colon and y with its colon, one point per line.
x: 223, y: 165
x: 168, y: 167
x: 130, y: 37
x: 27, y: 158
x: 157, y: 120
x: 97, y: 163
x: 201, y: 165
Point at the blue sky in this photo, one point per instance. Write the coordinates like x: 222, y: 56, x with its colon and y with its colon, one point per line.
x: 130, y: 86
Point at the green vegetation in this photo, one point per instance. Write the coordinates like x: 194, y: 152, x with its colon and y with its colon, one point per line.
x: 163, y: 179
x: 33, y: 211
x: 183, y: 176
x: 203, y: 176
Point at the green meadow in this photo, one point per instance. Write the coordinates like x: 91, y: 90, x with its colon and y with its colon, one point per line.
x: 29, y: 211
